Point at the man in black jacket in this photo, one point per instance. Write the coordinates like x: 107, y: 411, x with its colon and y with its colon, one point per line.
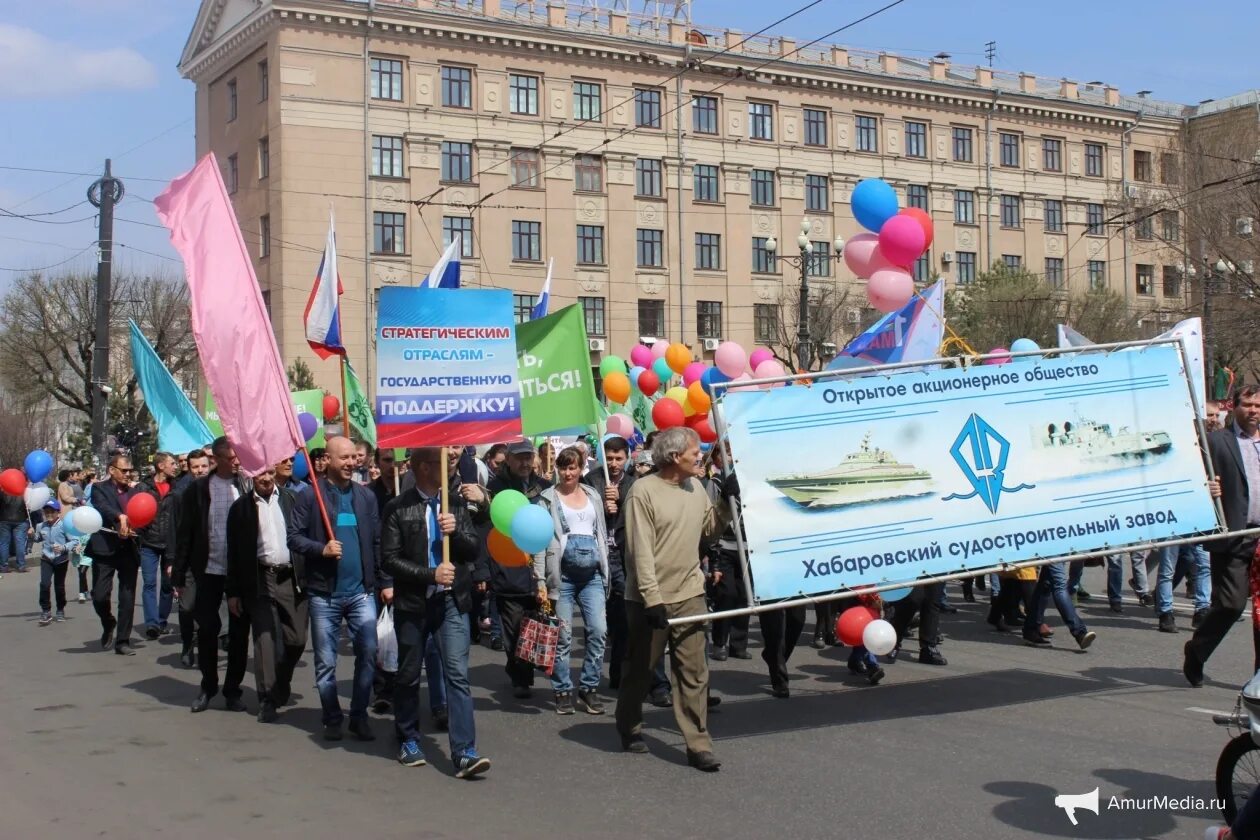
x: 1235, y: 454
x: 114, y: 553
x: 515, y: 589
x: 617, y: 456
x: 198, y: 467
x: 201, y: 551
x: 432, y: 599
x: 263, y: 587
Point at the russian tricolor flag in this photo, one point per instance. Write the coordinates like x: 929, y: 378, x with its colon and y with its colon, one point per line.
x: 323, y: 310
x: 445, y: 273
x: 544, y: 298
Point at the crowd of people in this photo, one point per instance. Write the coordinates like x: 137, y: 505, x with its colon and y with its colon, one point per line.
x: 644, y: 547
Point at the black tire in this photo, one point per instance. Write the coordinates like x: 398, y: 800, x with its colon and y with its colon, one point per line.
x: 1236, y: 759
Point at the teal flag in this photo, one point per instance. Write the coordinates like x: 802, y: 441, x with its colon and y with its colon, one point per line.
x: 180, y: 427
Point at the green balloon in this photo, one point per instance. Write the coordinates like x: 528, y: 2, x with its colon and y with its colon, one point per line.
x: 504, y: 507
x: 612, y: 364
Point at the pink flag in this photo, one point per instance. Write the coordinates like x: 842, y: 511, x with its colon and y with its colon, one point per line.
x: 230, y: 324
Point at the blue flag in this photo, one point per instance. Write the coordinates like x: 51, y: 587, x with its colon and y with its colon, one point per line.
x: 910, y: 334
x: 180, y: 427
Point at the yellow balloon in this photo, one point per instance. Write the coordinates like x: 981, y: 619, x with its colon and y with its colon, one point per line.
x: 678, y: 394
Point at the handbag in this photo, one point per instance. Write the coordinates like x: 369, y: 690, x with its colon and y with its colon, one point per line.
x: 540, y: 635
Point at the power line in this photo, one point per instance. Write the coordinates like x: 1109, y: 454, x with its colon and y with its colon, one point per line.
x: 73, y: 256
x: 50, y: 213
x: 150, y: 253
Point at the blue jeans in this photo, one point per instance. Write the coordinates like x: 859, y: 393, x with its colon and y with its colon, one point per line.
x: 157, y: 607
x: 1176, y: 561
x: 444, y: 625
x: 13, y: 533
x: 1053, y: 583
x: 435, y: 673
x: 359, y: 614
x: 1115, y: 574
x: 589, y: 597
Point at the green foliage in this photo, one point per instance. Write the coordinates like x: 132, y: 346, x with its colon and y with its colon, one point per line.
x: 300, y: 376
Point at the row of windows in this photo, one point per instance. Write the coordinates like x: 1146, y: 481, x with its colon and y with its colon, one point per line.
x: 232, y: 167
x: 233, y: 94
x: 652, y: 320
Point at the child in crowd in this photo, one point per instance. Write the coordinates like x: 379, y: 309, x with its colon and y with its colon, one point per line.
x: 54, y: 562
x: 861, y: 660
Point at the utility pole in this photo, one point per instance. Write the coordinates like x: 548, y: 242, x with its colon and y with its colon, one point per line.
x: 990, y: 50
x: 104, y: 194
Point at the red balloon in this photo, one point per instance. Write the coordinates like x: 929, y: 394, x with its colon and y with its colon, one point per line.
x: 649, y: 383
x: 925, y: 222
x: 695, y: 420
x: 667, y: 414
x: 851, y: 623
x: 705, y: 430
x: 332, y: 407
x: 13, y: 482
x: 141, y: 510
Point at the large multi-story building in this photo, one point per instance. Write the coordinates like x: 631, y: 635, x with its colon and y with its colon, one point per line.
x: 652, y: 159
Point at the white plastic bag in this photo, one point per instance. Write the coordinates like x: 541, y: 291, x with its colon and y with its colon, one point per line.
x: 386, y: 641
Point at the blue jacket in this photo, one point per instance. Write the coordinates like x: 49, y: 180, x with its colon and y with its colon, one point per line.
x: 50, y: 535
x: 307, y: 536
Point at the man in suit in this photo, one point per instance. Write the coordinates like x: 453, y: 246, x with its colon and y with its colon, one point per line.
x: 1235, y: 453
x: 264, y: 589
x: 115, y: 553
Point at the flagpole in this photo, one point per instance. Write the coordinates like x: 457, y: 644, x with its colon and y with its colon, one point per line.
x: 319, y: 496
x: 345, y: 405
x: 446, y: 501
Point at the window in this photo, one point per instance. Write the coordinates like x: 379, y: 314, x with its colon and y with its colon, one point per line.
x: 1171, y: 224
x: 461, y: 226
x: 966, y: 262
x: 763, y: 261
x: 1009, y: 149
x: 526, y: 241
x: 231, y: 100
x: 456, y: 87
x: 815, y: 127
x: 387, y: 157
x: 525, y: 169
x: 1172, y: 281
x: 965, y: 207
x: 647, y: 108
x: 962, y: 144
x: 765, y: 322
x: 647, y: 177
x: 1141, y: 166
x: 1012, y: 262
x: 264, y: 235
x: 593, y: 311
x: 867, y: 134
x: 1094, y: 219
x: 1094, y: 160
x: 1054, y: 215
x: 1054, y: 272
x: 708, y: 319
x: 233, y: 174
x: 264, y: 158
x: 651, y: 317
x: 389, y: 233
x: 704, y: 114
x: 1051, y: 155
x: 523, y: 307
x: 523, y: 94
x: 817, y: 193
x: 917, y: 196
x: 760, y: 121
x: 457, y: 162
x: 588, y: 173
x: 916, y: 139
x: 1011, y: 215
x: 650, y: 247
x: 387, y: 79
x: 762, y: 182
x: 819, y: 260
x: 588, y: 101
x: 590, y: 244
x: 1145, y: 279
x: 1169, y: 172
x: 706, y: 186
x: 923, y: 268
x: 709, y: 251
x: 264, y: 81
x: 1097, y: 270
x: 1144, y: 224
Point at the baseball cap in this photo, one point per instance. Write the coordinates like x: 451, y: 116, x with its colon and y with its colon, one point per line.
x: 52, y: 504
x: 643, y: 458
x: 520, y: 447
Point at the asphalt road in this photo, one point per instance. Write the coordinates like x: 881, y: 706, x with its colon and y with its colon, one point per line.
x: 93, y: 744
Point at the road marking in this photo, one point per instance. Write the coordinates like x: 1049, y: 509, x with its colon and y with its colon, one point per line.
x: 1203, y: 711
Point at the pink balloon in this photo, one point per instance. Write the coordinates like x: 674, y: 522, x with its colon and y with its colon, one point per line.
x: 730, y: 358
x: 889, y: 289
x: 620, y: 424
x: 902, y: 240
x: 759, y: 355
x: 641, y: 356
x: 658, y: 349
x: 769, y: 369
x: 999, y: 360
x: 743, y: 377
x: 863, y: 256
x: 693, y: 372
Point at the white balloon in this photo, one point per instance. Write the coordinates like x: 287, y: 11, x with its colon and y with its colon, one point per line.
x: 879, y: 637
x: 86, y: 520
x: 36, y: 496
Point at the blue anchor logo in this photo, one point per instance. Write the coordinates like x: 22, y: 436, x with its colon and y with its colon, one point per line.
x: 981, y: 454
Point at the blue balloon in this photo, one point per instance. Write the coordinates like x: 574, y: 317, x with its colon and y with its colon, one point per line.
x: 634, y: 376
x: 301, y: 469
x: 532, y: 529
x: 873, y: 203
x: 308, y: 424
x: 1023, y: 345
x: 38, y: 465
x: 68, y: 523
x: 705, y: 447
x: 890, y: 595
x: 663, y: 371
x: 712, y: 376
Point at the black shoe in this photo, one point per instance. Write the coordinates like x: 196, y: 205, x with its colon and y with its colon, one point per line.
x: 782, y: 692
x: 1199, y: 615
x: 280, y: 696
x: 873, y: 677
x: 107, y: 638
x: 948, y: 608
x: 741, y: 654
x: 1036, y: 640
x: 152, y: 633
x: 125, y: 649
x: 382, y: 706
x: 819, y: 644
x: 1117, y: 607
x: 496, y: 644
x: 589, y: 702
x: 564, y: 702
x: 1167, y: 622
x: 969, y: 596
x: 186, y: 658
x: 1000, y: 625
x: 705, y: 762
x: 713, y: 702
x: 1191, y: 668
x: 442, y: 720
x: 661, y: 699
x: 201, y: 703
x: 234, y: 704
x: 1145, y: 600
x: 634, y: 744
x: 720, y: 654
x: 858, y: 667
x: 1082, y: 594
x: 267, y: 712
x: 522, y: 692
x: 931, y: 656
x: 893, y: 654
x: 332, y: 731
x: 1084, y: 640
x: 361, y: 729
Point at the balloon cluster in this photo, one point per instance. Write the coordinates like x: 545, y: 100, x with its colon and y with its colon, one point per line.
x: 884, y: 256
x: 520, y: 529
x: 25, y: 482
x: 862, y: 626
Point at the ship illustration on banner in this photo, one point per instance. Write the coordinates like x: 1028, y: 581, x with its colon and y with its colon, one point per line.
x: 870, y: 474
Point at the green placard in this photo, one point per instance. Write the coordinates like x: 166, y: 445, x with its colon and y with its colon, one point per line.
x: 557, y: 389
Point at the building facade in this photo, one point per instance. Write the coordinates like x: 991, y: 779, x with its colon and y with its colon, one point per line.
x: 652, y: 159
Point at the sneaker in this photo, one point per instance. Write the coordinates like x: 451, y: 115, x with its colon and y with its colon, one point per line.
x: 1036, y: 641
x: 1082, y: 594
x: 361, y: 729
x: 60, y: 616
x: 858, y: 667
x: 564, y: 702
x: 1145, y: 600
x: 589, y: 702
x: 741, y: 654
x: 496, y: 643
x: 267, y: 712
x: 1167, y: 622
x: 152, y: 633
x: 819, y: 644
x: 83, y: 597
x: 1117, y: 607
x: 471, y: 765
x: 45, y: 618
x: 932, y: 656
x: 661, y: 699
x: 1086, y: 639
x: 1199, y: 615
x: 634, y: 744
x: 720, y: 654
x: 873, y: 677
x: 409, y: 754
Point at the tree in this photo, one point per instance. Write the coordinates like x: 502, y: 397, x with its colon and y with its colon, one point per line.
x: 829, y: 323
x: 23, y: 430
x: 300, y: 376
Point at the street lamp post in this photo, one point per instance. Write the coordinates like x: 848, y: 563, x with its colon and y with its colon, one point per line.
x: 1212, y: 276
x: 803, y: 338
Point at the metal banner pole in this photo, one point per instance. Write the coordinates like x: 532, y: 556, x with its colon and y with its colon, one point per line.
x: 736, y: 522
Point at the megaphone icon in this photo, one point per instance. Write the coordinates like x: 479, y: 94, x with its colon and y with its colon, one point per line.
x: 1069, y: 802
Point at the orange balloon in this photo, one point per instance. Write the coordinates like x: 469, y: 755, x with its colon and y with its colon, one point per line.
x: 698, y: 398
x: 678, y: 356
x: 617, y: 387
x: 504, y: 551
